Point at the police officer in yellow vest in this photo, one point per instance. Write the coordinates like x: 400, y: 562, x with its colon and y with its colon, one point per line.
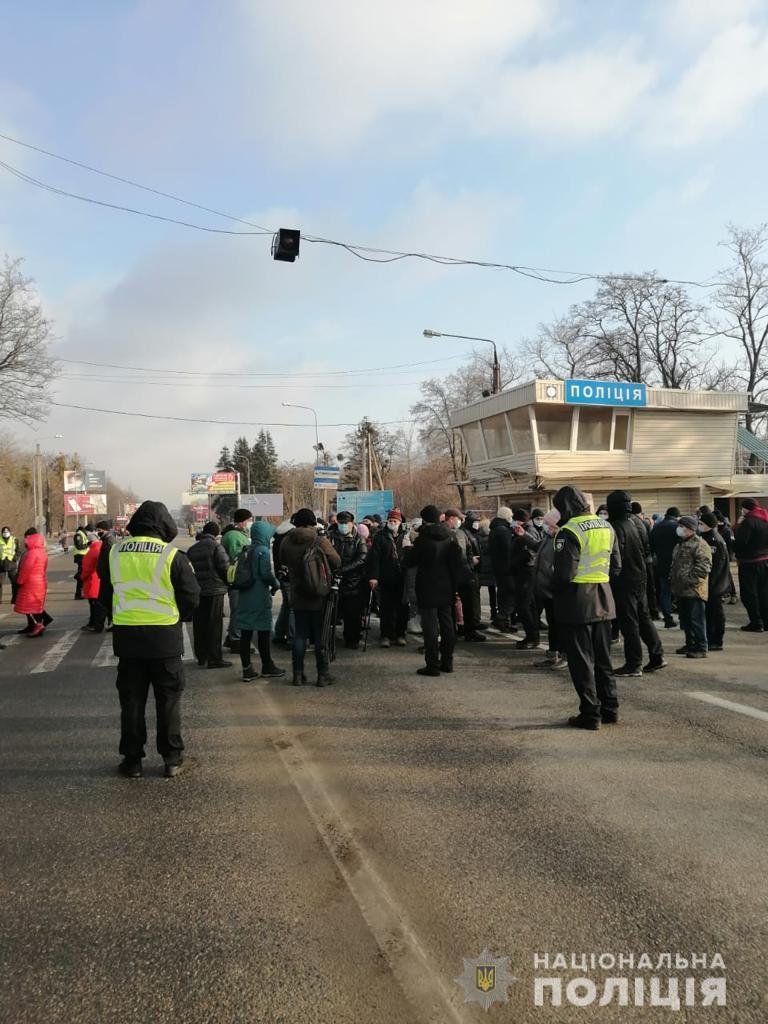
x: 586, y: 556
x: 152, y: 590
x: 9, y: 557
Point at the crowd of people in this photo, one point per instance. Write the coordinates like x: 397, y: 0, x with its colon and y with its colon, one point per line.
x: 585, y: 579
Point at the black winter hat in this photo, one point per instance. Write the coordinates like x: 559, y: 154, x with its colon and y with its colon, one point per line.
x: 304, y: 517
x: 537, y: 513
x: 212, y: 529
x: 672, y: 513
x: 430, y: 514
x: 709, y: 519
x: 242, y: 515
x: 520, y: 515
x: 345, y: 516
x: 103, y: 524
x: 618, y: 501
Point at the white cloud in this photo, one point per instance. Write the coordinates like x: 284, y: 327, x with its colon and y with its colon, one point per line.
x: 694, y: 19
x: 576, y: 97
x: 717, y: 92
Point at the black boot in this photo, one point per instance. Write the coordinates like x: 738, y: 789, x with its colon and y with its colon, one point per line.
x: 325, y: 679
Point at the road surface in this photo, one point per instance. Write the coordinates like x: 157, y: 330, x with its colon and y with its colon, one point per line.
x: 339, y: 852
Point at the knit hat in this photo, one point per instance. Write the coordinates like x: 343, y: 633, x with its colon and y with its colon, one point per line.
x: 636, y: 508
x: 396, y: 514
x: 673, y: 512
x: 430, y: 514
x: 345, y: 516
x: 212, y: 529
x: 504, y: 513
x: 749, y: 504
x: 304, y: 517
x: 709, y: 519
x: 453, y: 513
x: 242, y: 515
x: 103, y: 524
x: 691, y: 522
x: 537, y: 513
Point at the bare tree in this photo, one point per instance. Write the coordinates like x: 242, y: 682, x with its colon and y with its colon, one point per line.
x: 743, y: 302
x: 26, y: 368
x: 433, y: 413
x: 562, y: 349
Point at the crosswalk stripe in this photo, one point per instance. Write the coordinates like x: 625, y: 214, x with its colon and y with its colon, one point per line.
x: 53, y: 658
x: 13, y: 639
x: 730, y: 705
x: 104, y: 657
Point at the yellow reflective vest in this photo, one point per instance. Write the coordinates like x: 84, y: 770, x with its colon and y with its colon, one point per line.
x: 140, y: 570
x: 8, y: 549
x: 595, y: 538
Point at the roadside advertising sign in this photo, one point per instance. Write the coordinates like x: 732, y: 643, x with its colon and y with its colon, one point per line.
x: 85, y: 504
x: 263, y: 504
x: 85, y: 481
x: 326, y: 478
x: 365, y: 503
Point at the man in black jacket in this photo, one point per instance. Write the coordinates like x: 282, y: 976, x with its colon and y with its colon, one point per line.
x: 719, y: 580
x: 500, y: 539
x: 751, y: 547
x: 148, y: 608
x: 102, y: 610
x: 385, y: 574
x: 467, y: 584
x: 353, y: 551
x: 210, y: 562
x: 525, y: 541
x: 436, y: 557
x: 664, y: 540
x: 629, y: 586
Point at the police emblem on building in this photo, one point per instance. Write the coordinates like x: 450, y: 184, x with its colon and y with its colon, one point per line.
x: 486, y: 979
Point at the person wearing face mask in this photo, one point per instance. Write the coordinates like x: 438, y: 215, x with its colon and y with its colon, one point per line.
x: 689, y: 580
x: 469, y: 593
x: 751, y: 548
x: 536, y: 523
x: 719, y: 581
x: 353, y: 552
x: 9, y: 557
x: 210, y: 562
x: 102, y: 615
x: 602, y: 511
x: 500, y: 539
x: 525, y: 541
x: 233, y: 541
x: 664, y: 540
x: 485, y: 569
x: 386, y: 575
x: 543, y: 589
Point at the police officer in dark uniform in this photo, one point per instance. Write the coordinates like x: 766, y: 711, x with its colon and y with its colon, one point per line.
x: 586, y: 556
x: 153, y: 590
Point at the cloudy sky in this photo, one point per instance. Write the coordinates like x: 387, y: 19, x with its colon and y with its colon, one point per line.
x: 580, y: 135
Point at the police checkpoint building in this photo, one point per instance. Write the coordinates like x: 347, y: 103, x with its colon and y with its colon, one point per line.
x: 667, y: 447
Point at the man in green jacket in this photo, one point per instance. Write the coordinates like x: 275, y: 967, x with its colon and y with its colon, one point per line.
x: 233, y: 540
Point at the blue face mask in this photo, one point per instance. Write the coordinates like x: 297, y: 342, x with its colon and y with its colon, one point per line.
x: 345, y: 528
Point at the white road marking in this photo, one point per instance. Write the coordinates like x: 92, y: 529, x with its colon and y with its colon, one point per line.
x: 53, y: 658
x: 105, y: 658
x: 729, y: 705
x: 12, y: 639
x: 413, y: 967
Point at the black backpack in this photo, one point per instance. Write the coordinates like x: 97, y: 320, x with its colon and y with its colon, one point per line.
x: 243, y: 578
x: 317, y: 577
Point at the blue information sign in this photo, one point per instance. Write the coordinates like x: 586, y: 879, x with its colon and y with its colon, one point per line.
x: 326, y: 477
x: 365, y: 503
x: 605, y: 392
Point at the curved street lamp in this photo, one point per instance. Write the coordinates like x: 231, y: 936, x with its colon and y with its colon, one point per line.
x: 496, y: 385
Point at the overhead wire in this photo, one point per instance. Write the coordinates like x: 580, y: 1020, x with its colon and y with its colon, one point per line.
x: 260, y: 373
x: 368, y: 253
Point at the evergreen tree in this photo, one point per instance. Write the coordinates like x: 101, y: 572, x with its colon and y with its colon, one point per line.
x: 384, y: 444
x: 241, y: 459
x: 225, y: 464
x: 270, y: 459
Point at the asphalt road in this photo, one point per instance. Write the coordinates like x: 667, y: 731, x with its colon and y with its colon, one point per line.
x: 339, y: 852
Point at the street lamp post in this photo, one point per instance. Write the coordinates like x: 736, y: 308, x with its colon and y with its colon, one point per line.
x: 496, y: 385
x: 37, y: 480
x: 318, y: 447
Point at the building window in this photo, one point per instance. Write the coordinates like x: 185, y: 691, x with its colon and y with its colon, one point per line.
x: 620, y: 432
x: 553, y: 425
x: 594, y: 434
x: 520, y: 429
x: 496, y: 436
x: 473, y: 440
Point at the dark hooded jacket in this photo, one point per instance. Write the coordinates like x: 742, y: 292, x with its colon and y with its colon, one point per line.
x: 720, y: 574
x: 500, y: 540
x: 751, y: 537
x: 523, y: 553
x: 543, y: 570
x: 664, y: 540
x: 145, y: 643
x: 210, y: 562
x: 385, y: 559
x: 632, y: 537
x: 353, y: 552
x: 108, y: 539
x: 293, y: 549
x: 437, y: 558
x: 578, y: 603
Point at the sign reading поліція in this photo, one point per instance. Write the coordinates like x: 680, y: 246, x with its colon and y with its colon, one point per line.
x: 605, y: 392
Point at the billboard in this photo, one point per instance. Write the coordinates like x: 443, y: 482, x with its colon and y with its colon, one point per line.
x: 263, y: 504
x: 85, y: 480
x: 213, y: 483
x: 131, y: 507
x: 365, y: 503
x: 85, y: 504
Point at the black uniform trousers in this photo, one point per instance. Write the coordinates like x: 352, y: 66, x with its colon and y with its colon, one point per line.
x: 393, y: 612
x: 588, y: 650
x: 525, y: 604
x: 715, y: 616
x: 436, y: 621
x: 351, y: 610
x: 634, y: 619
x: 207, y: 626
x: 79, y: 576
x: 469, y: 595
x: 134, y: 678
x: 753, y: 584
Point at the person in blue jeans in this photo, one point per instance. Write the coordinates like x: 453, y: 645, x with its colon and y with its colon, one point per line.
x: 308, y: 607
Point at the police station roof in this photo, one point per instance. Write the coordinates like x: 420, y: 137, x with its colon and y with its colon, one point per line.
x: 600, y: 392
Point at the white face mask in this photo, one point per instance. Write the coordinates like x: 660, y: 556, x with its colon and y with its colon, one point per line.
x: 684, y: 533
x: 454, y: 523
x: 344, y: 529
x: 538, y: 522
x: 6, y: 534
x: 476, y: 525
x: 603, y: 515
x: 246, y: 527
x: 393, y: 525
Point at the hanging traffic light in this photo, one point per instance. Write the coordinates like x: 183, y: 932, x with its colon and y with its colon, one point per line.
x: 285, y: 245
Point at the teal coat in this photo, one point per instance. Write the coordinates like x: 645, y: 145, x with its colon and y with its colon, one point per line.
x: 254, y: 607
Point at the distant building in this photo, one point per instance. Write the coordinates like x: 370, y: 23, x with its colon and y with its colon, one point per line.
x: 667, y: 447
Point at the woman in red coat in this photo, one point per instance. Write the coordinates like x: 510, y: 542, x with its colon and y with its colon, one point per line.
x: 91, y: 583
x: 32, y: 583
